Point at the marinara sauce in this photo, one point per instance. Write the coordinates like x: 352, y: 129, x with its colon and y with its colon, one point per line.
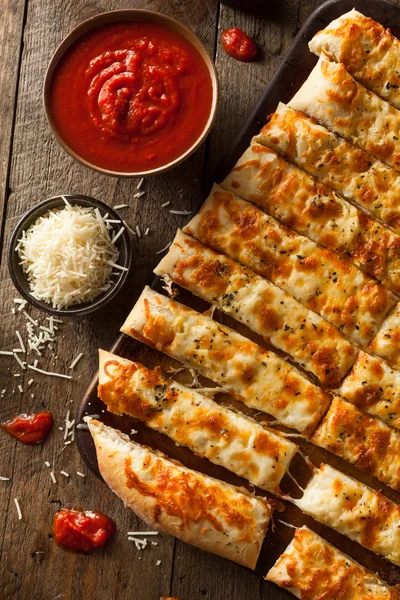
x: 131, y: 96
x: 29, y: 429
x: 82, y: 531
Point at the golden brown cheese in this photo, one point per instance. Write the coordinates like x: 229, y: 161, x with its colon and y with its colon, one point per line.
x: 335, y: 162
x: 266, y: 309
x: 198, y: 509
x: 191, y: 419
x: 375, y: 387
x: 353, y: 509
x: 364, y: 441
x: 312, y: 569
x: 332, y: 97
x: 325, y: 282
x: 386, y: 343
x: 368, y: 51
x: 251, y: 374
x: 287, y: 193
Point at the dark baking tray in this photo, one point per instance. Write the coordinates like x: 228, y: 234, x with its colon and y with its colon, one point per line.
x: 293, y: 71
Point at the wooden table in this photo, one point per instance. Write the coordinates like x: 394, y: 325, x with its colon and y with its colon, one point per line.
x: 34, y: 167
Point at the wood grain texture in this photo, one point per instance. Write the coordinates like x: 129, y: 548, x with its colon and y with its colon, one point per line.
x: 32, y: 567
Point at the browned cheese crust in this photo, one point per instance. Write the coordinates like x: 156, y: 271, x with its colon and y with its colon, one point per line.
x: 198, y: 509
x: 363, y: 440
x: 313, y: 569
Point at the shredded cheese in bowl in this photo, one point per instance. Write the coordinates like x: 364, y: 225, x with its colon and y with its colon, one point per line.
x: 69, y: 255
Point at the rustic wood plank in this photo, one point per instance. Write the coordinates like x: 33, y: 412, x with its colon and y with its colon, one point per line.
x: 11, y: 31
x: 272, y: 26
x: 40, y: 169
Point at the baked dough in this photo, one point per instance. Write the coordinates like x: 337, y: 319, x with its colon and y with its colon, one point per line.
x: 318, y: 278
x: 312, y: 569
x: 353, y: 509
x: 195, y: 508
x: 264, y: 308
x: 225, y: 437
x: 368, y: 51
x: 361, y: 439
x: 349, y: 171
x: 375, y: 387
x: 387, y: 341
x: 332, y: 97
x: 251, y: 374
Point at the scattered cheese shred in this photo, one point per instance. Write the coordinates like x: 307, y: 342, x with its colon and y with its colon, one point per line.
x: 76, y: 360
x: 64, y: 473
x: 80, y: 474
x: 142, y: 533
x: 4, y: 478
x: 180, y: 212
x: 49, y: 372
x: 68, y: 255
x: 119, y: 206
x: 18, y: 508
x: 21, y: 343
x: 164, y: 249
x: 19, y: 361
x: 53, y: 477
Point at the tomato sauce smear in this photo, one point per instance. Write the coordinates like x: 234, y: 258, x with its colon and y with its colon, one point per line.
x: 82, y: 531
x: 29, y: 429
x: 131, y: 96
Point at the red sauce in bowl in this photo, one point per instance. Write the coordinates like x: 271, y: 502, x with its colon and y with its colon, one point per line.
x: 131, y: 96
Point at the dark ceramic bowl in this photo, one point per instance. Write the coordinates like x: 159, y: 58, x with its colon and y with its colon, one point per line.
x: 19, y: 277
x: 130, y: 14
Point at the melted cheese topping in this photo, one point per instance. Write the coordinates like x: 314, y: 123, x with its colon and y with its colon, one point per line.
x: 353, y: 509
x: 368, y: 51
x: 332, y: 97
x: 312, y: 569
x: 250, y: 373
x: 364, y: 441
x: 312, y: 209
x: 312, y: 342
x: 290, y: 195
x: 375, y: 387
x: 349, y: 171
x: 387, y: 341
x: 201, y: 510
x: 318, y: 278
x: 226, y: 438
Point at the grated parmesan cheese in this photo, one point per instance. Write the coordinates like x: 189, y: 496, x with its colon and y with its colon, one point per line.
x: 18, y: 508
x: 68, y: 256
x: 76, y: 360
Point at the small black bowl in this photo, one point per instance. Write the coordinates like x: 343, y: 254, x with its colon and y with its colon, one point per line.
x: 19, y: 277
